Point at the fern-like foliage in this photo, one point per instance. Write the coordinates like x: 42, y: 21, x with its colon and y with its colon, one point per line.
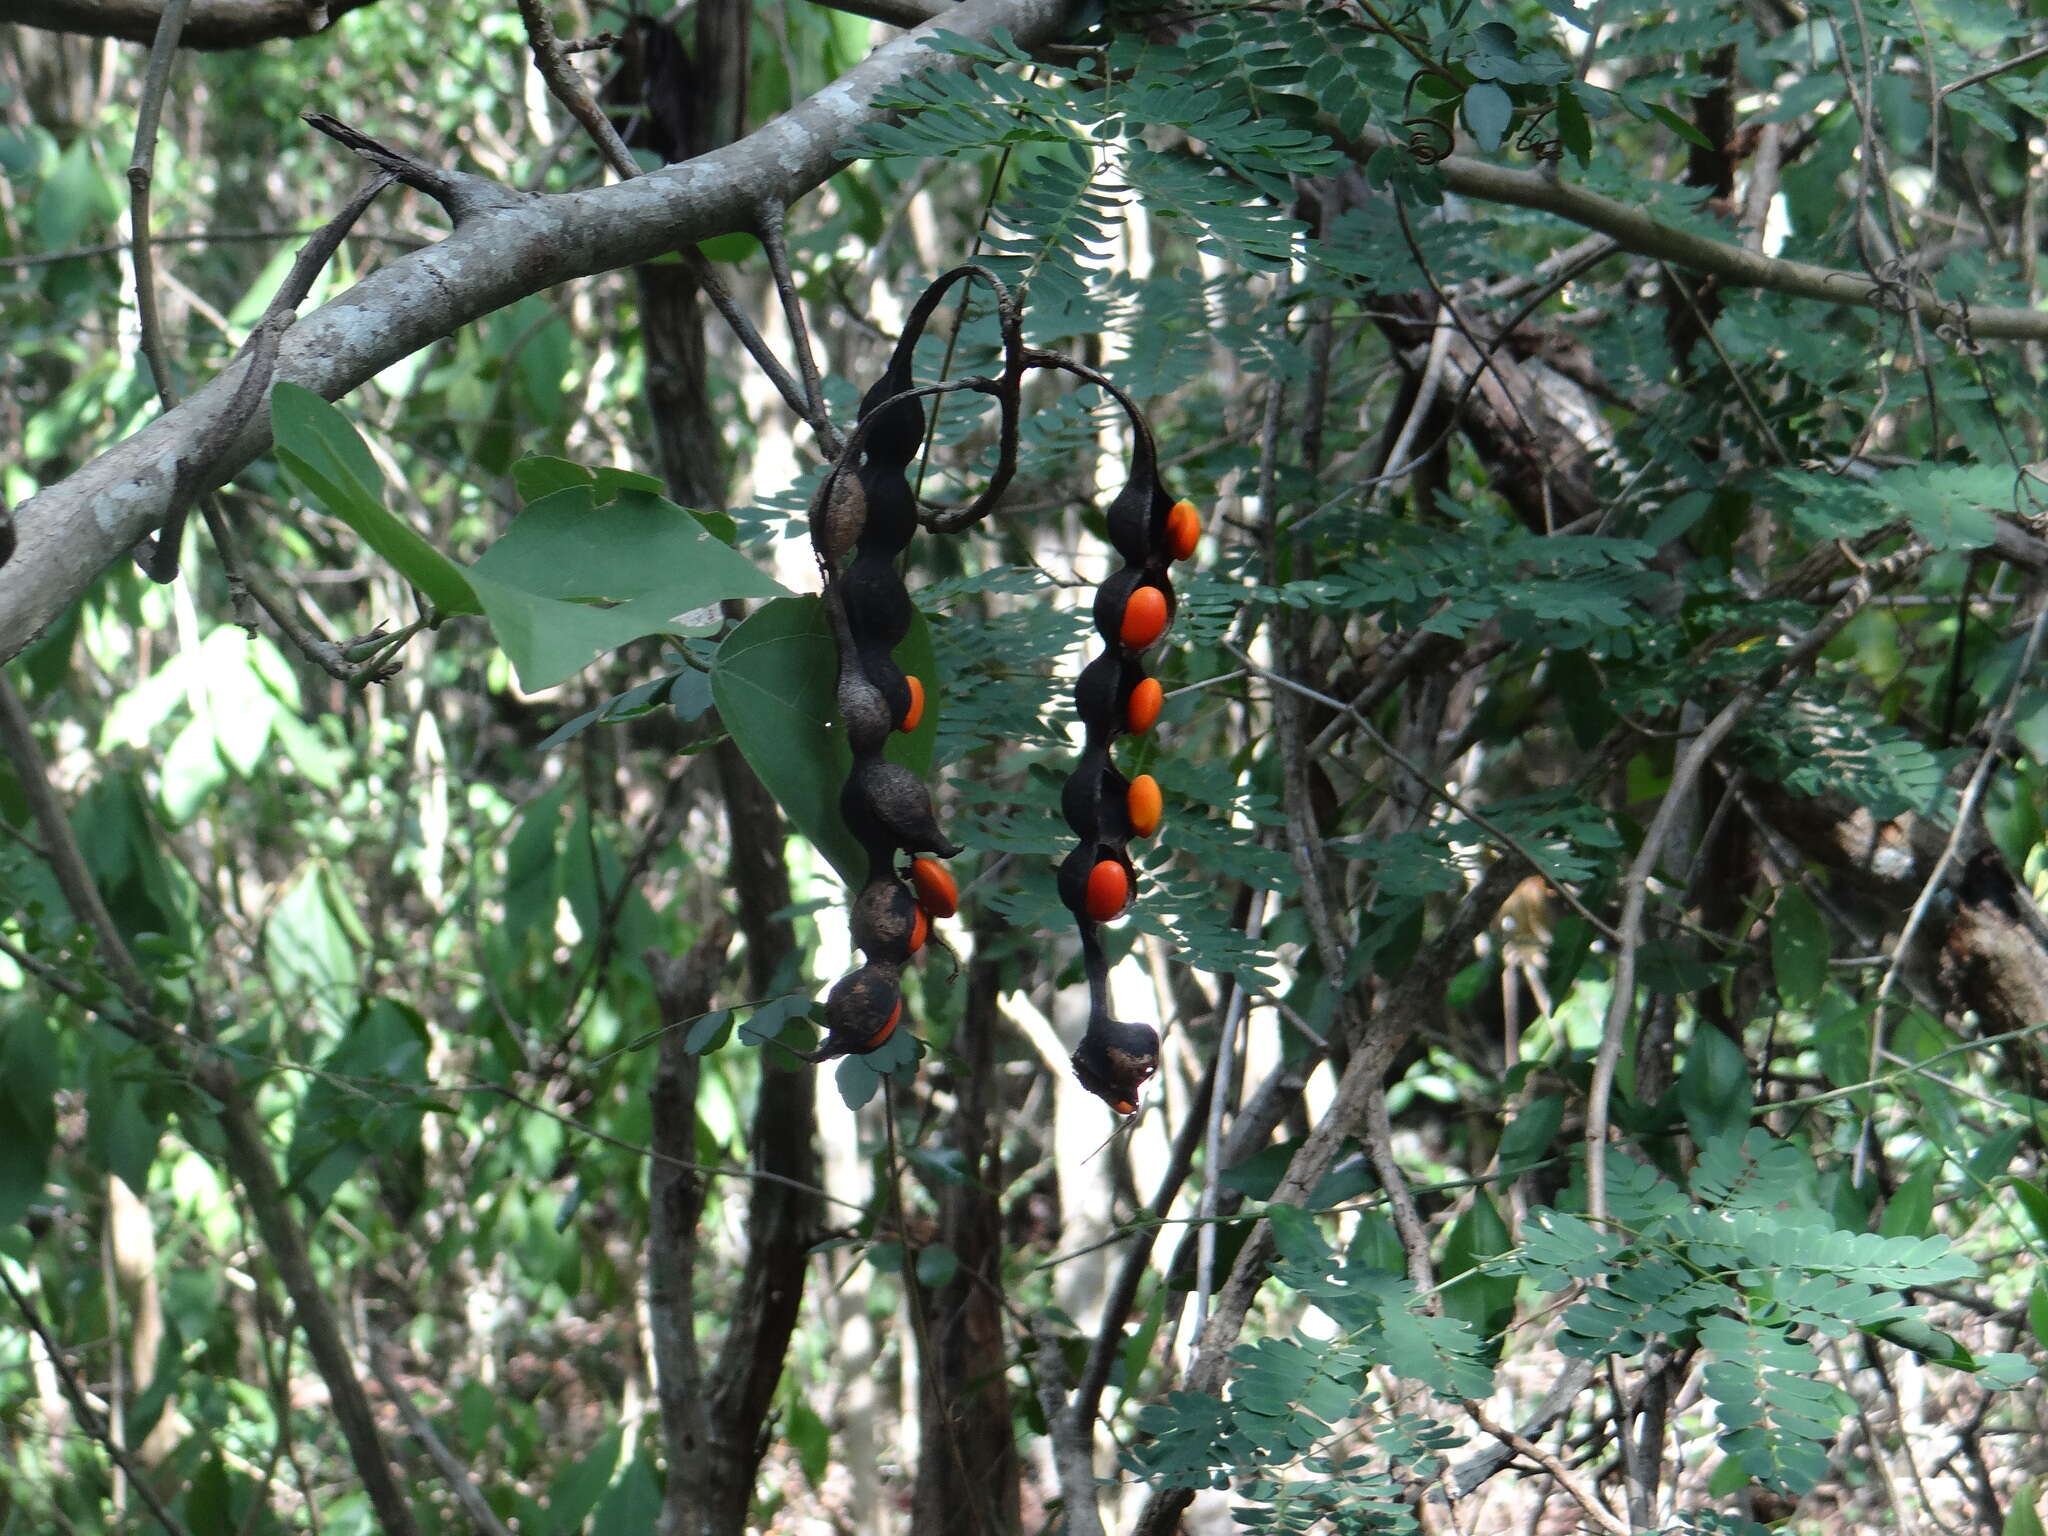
x: 1750, y: 1280
x: 1817, y: 742
x: 1567, y: 592
x: 1284, y: 1438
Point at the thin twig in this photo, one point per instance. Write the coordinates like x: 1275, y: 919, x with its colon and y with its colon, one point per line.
x: 1222, y: 1097
x: 757, y: 347
x: 446, y: 1461
x: 568, y: 88
x: 1992, y: 72
x: 81, y: 1405
x: 1567, y: 1479
x: 1442, y: 791
x: 772, y: 218
x: 156, y: 80
x: 1685, y: 773
x: 1143, y: 1232
x: 1965, y: 825
x: 60, y: 848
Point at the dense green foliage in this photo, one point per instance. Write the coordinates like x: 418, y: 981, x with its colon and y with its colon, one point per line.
x: 1608, y: 696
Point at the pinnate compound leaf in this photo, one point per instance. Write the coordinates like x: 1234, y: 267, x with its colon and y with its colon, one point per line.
x: 1776, y: 1418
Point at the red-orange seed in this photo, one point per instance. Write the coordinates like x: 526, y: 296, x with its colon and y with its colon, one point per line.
x: 1142, y: 710
x: 1143, y: 707
x: 1109, y: 890
x: 1144, y: 618
x: 886, y: 1030
x: 1145, y: 804
x: 920, y: 929
x: 936, y: 892
x: 916, y: 711
x: 1183, y: 529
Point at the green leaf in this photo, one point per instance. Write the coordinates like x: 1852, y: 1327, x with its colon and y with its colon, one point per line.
x: 368, y: 1100
x: 583, y: 1482
x: 1573, y: 129
x: 2037, y: 1312
x: 1679, y: 126
x: 1716, y: 1090
x: 1799, y: 948
x: 772, y: 1017
x: 936, y: 1264
x: 2023, y: 1515
x: 1296, y: 1234
x: 321, y: 452
x: 2035, y: 1199
x: 774, y: 682
x: 1484, y: 1301
x: 25, y: 1146
x: 634, y: 1503
x: 571, y: 580
x: 1910, y: 1211
x: 539, y: 475
x: 1488, y: 111
x: 810, y: 1437
x: 709, y: 1032
x: 1526, y: 1141
x: 1925, y: 1340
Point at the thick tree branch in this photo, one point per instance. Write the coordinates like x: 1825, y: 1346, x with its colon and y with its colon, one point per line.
x: 214, y: 24
x: 72, y: 531
x: 1635, y: 230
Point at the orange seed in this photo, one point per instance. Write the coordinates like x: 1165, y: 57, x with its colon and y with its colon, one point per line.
x: 1145, y: 804
x: 1141, y: 712
x: 936, y: 892
x: 1109, y: 890
x: 1183, y: 529
x: 916, y: 711
x: 1144, y: 618
x: 886, y: 1030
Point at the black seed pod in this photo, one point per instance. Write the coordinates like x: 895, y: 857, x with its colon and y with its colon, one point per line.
x: 1100, y: 691
x: 838, y: 517
x: 861, y: 1011
x: 877, y: 607
x: 1114, y: 1060
x: 872, y: 512
x: 887, y: 677
x: 865, y: 711
x: 885, y: 920
x: 890, y: 512
x: 896, y: 430
x: 898, y: 799
x: 1097, y: 880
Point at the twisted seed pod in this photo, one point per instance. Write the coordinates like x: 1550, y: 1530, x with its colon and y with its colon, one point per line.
x: 1113, y: 696
x: 867, y: 510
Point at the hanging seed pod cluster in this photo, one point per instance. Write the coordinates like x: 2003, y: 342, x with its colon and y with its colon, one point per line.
x: 862, y: 520
x: 1116, y: 697
x: 867, y: 510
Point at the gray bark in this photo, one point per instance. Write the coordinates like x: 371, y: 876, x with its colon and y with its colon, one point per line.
x: 74, y: 530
